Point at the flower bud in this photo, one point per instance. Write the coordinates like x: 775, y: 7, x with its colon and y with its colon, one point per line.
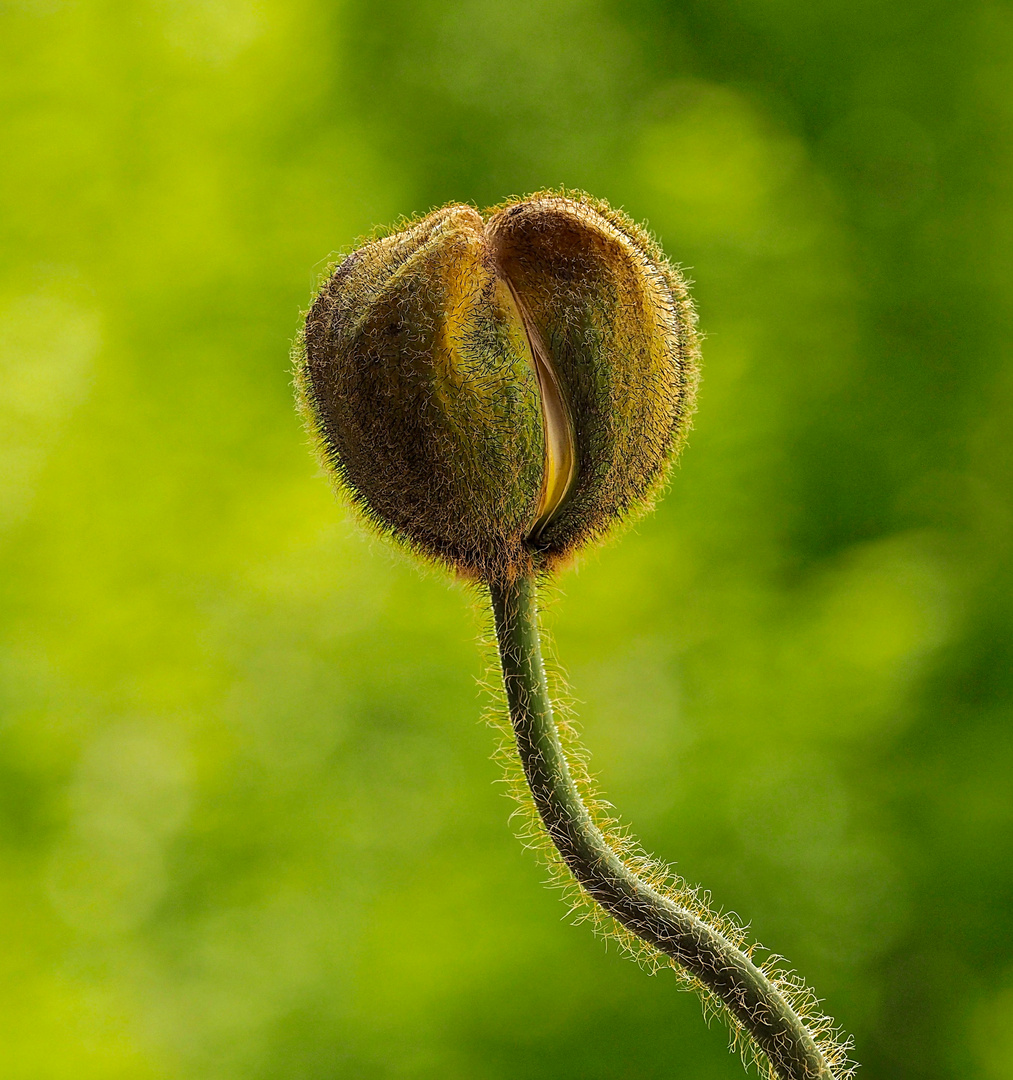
x: 497, y: 390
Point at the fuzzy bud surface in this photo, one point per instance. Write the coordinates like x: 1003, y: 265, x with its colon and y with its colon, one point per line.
x: 496, y: 390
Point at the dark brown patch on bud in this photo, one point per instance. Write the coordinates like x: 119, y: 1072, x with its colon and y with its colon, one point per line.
x: 615, y: 319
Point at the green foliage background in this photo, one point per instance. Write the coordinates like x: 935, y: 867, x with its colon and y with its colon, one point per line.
x: 249, y: 827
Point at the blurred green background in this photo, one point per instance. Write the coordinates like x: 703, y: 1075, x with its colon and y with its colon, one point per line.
x: 249, y: 827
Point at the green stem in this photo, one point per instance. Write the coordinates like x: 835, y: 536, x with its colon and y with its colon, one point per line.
x: 678, y: 933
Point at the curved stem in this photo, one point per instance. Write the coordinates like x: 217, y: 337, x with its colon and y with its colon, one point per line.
x: 704, y: 952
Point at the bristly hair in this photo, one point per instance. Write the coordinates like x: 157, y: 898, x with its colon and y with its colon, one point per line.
x: 450, y: 473
x: 582, y: 908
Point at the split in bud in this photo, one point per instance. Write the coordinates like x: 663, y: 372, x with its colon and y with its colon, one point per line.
x: 497, y: 390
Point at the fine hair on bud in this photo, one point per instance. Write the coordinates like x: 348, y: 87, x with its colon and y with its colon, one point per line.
x: 495, y: 390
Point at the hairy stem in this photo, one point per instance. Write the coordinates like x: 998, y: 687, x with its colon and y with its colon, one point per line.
x: 656, y: 919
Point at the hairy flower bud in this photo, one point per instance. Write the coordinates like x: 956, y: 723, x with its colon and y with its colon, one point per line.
x: 496, y: 390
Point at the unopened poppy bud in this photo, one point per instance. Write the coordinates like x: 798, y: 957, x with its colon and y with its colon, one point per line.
x: 497, y: 390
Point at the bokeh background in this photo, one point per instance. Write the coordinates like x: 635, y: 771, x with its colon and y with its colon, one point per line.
x: 249, y: 826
